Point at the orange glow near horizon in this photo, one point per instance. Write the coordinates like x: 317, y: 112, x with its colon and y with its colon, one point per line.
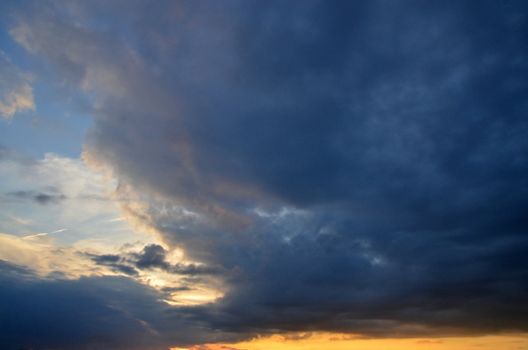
x: 329, y: 341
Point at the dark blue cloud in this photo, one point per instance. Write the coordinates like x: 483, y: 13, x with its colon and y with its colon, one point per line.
x: 351, y: 167
x: 89, y: 313
x: 152, y: 256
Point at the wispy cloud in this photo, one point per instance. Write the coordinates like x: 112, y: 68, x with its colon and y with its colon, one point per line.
x: 42, y: 234
x: 16, y: 93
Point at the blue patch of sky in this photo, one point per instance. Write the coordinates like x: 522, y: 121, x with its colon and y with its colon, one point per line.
x: 61, y: 118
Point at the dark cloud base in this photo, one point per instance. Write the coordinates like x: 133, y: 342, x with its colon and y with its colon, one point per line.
x: 152, y: 257
x: 91, y: 313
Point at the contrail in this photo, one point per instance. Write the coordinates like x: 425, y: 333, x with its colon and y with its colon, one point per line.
x: 40, y: 234
x: 35, y: 235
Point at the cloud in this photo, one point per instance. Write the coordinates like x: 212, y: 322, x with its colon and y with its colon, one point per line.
x: 89, y: 313
x: 213, y: 347
x: 152, y: 256
x: 352, y: 167
x: 39, y: 197
x: 39, y: 253
x: 113, y: 261
x: 16, y: 93
x: 55, y: 192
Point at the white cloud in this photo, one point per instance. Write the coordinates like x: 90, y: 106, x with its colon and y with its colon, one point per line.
x: 82, y: 209
x: 39, y: 253
x: 57, y: 236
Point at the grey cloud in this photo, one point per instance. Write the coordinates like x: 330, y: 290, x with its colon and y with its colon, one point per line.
x: 38, y: 197
x: 115, y: 262
x: 357, y: 167
x: 152, y: 256
x: 91, y: 313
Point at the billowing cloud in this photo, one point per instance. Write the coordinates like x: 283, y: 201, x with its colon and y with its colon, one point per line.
x: 152, y: 256
x: 355, y: 167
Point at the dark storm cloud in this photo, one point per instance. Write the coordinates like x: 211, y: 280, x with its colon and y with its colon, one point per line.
x: 152, y: 256
x: 114, y: 262
x: 89, y: 313
x: 358, y: 167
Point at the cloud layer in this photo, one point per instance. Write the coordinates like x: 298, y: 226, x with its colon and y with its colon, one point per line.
x: 88, y: 313
x: 355, y: 167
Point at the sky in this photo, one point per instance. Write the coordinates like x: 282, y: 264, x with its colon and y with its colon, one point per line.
x: 250, y: 175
